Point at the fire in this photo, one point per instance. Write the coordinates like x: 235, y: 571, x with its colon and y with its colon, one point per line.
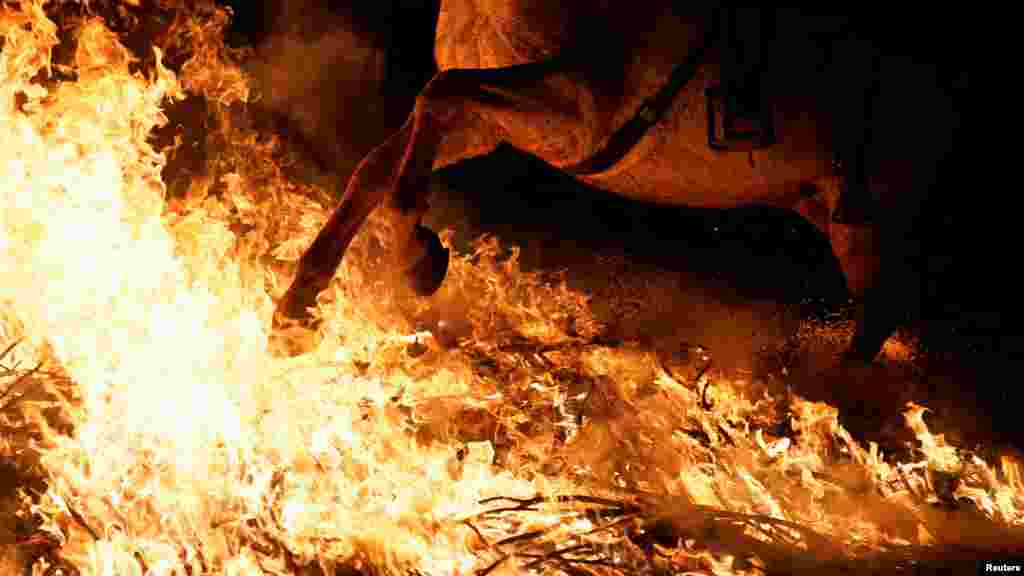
x: 187, y: 424
x: 532, y: 444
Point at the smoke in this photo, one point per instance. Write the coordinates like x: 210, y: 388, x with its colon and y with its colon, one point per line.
x: 322, y: 79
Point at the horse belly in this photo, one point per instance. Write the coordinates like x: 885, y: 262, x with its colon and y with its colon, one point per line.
x: 673, y: 163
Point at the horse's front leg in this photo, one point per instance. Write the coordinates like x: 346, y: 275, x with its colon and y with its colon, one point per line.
x: 422, y: 257
x: 449, y: 124
x: 395, y: 174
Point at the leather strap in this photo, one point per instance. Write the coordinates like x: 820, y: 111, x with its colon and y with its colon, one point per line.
x: 650, y: 112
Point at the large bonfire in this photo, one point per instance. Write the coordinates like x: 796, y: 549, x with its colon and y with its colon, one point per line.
x: 171, y: 440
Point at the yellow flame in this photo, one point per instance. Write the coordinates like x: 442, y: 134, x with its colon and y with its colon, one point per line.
x: 187, y: 417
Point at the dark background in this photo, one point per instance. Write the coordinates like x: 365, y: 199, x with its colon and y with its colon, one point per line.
x: 970, y: 243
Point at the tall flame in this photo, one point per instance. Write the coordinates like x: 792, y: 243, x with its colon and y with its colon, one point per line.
x: 188, y: 424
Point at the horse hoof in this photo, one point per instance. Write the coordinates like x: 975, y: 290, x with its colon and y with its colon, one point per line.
x: 293, y: 308
x: 292, y: 337
x: 294, y: 329
x: 292, y: 341
x: 427, y: 274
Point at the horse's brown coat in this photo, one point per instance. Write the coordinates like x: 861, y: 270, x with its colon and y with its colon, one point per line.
x: 569, y: 74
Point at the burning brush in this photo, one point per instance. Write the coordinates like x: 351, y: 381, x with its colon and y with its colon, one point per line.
x: 170, y: 441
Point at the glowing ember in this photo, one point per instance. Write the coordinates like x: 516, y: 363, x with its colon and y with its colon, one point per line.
x: 195, y: 451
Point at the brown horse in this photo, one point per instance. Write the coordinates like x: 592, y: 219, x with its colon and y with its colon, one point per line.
x: 630, y: 97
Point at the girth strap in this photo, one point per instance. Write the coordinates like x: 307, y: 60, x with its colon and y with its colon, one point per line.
x: 650, y: 112
x: 741, y: 91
